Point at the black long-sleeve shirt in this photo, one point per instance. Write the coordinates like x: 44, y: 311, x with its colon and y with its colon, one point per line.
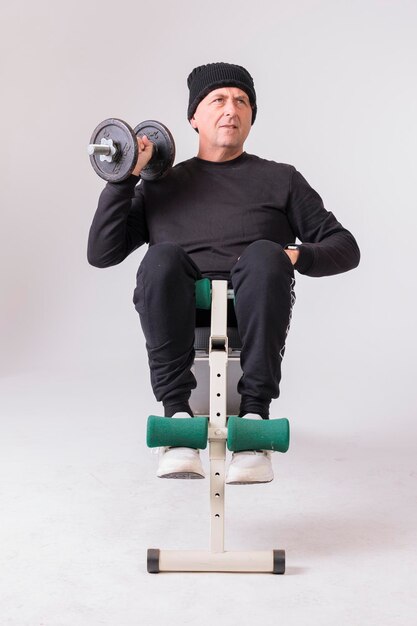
x: 214, y: 210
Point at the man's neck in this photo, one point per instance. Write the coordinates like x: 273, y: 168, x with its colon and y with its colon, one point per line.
x: 219, y: 154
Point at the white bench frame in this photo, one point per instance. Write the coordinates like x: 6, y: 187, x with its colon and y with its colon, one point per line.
x: 217, y: 559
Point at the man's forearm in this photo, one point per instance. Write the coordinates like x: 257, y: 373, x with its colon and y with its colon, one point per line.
x: 116, y: 229
x: 333, y: 255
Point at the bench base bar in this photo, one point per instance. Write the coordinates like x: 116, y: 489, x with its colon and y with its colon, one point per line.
x: 272, y: 561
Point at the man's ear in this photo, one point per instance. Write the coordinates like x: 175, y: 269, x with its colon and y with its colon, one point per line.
x: 193, y: 123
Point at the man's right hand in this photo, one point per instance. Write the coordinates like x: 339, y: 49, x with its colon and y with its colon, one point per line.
x: 145, y: 154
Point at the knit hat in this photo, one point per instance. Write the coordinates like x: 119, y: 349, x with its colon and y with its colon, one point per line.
x: 205, y: 78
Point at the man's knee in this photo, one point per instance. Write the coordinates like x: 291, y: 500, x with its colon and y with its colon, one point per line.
x: 163, y: 253
x: 163, y: 260
x: 264, y: 257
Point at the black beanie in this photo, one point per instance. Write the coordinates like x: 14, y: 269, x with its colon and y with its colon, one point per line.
x: 205, y: 78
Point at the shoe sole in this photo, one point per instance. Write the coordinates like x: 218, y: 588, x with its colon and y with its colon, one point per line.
x: 248, y: 482
x: 192, y: 475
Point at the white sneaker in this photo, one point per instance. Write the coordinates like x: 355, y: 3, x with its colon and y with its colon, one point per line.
x: 179, y: 462
x: 250, y: 466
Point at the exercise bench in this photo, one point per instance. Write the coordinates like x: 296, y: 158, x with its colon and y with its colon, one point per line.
x: 215, y: 422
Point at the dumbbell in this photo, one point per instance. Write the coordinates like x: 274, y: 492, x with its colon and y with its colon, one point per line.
x: 113, y: 149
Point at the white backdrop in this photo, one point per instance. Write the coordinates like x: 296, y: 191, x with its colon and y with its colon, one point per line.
x: 336, y: 92
x: 336, y: 89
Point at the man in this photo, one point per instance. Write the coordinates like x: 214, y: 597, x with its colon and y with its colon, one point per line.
x: 223, y: 214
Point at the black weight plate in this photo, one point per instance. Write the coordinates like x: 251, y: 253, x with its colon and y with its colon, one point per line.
x: 164, y: 155
x: 124, y: 139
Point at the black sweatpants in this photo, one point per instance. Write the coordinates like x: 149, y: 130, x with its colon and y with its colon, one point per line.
x: 263, y: 282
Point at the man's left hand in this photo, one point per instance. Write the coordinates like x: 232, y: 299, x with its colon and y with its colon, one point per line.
x: 293, y: 254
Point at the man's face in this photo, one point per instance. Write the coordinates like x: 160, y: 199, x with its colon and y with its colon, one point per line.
x: 223, y: 118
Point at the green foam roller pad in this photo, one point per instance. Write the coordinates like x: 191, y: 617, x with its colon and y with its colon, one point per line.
x: 203, y: 293
x: 253, y: 434
x: 177, y: 431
